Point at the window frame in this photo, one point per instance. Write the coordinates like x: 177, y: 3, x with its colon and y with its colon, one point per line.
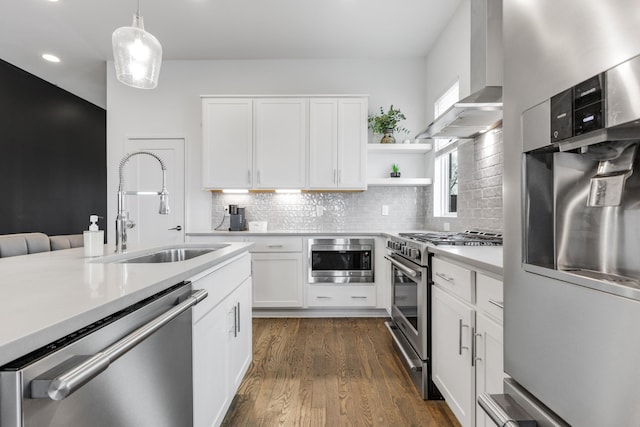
x: 444, y: 148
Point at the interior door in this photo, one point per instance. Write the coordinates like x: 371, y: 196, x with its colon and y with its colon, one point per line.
x: 143, y: 173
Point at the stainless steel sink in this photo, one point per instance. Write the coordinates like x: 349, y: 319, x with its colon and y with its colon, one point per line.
x: 170, y: 255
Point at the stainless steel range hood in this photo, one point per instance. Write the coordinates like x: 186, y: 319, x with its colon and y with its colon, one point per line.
x: 482, y: 110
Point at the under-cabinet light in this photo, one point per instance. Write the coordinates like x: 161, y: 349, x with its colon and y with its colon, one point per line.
x: 235, y: 191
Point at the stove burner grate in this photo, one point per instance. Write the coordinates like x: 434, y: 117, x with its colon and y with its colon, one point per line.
x: 467, y: 238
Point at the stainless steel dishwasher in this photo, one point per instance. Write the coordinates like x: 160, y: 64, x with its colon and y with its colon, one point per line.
x: 132, y: 368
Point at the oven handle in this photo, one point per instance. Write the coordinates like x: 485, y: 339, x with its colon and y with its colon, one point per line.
x: 78, y: 374
x: 402, y: 267
x: 412, y: 366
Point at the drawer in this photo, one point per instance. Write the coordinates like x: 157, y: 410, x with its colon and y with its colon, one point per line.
x: 489, y: 293
x: 341, y: 296
x: 453, y: 278
x: 220, y: 281
x: 276, y: 244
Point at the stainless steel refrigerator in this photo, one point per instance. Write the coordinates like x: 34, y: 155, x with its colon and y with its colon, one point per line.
x: 572, y: 213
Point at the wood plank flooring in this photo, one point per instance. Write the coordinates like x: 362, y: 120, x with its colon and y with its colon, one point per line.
x: 329, y: 372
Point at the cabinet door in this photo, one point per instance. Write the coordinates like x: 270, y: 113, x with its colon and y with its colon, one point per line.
x: 227, y: 142
x: 240, y: 349
x: 323, y: 143
x: 489, y: 363
x: 277, y: 279
x: 211, y: 396
x: 280, y: 126
x: 451, y: 351
x: 352, y: 140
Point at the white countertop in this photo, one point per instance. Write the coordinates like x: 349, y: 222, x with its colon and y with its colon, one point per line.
x: 488, y: 258
x: 48, y: 295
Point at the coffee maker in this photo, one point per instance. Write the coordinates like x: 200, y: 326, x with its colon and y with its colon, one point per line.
x: 237, y: 222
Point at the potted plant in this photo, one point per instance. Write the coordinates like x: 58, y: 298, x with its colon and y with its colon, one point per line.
x: 387, y: 123
x: 395, y: 171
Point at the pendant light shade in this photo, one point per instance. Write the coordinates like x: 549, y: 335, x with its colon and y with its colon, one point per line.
x: 137, y: 55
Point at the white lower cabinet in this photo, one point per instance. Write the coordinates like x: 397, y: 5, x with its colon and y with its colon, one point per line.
x: 452, y: 321
x: 221, y: 340
x: 278, y: 279
x: 277, y: 272
x: 489, y: 363
x: 467, y: 343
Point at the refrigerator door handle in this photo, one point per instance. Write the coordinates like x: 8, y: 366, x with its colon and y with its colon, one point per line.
x: 504, y: 411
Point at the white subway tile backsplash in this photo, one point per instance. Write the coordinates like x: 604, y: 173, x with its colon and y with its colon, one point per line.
x: 341, y: 211
x: 479, y: 187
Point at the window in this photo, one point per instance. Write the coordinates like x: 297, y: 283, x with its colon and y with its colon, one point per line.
x: 445, y: 189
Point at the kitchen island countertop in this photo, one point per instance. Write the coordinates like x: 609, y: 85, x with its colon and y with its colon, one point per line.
x: 48, y: 295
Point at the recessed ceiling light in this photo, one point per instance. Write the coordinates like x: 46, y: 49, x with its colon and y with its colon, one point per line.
x: 53, y: 1
x: 50, y: 58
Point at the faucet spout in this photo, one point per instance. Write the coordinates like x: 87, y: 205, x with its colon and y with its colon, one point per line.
x: 123, y: 222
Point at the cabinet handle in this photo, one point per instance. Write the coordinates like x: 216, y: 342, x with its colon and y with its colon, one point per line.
x: 322, y: 297
x: 498, y: 304
x: 238, y: 317
x: 460, y: 347
x: 357, y: 297
x: 275, y: 246
x: 444, y: 277
x: 258, y: 176
x: 248, y: 176
x: 474, y: 347
x: 235, y: 321
x: 335, y: 176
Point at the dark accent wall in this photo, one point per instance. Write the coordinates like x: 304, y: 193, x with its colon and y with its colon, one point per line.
x: 53, y: 156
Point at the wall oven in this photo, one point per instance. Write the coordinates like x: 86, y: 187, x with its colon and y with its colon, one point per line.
x: 347, y: 260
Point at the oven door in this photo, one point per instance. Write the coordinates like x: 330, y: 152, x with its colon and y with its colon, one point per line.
x: 410, y: 308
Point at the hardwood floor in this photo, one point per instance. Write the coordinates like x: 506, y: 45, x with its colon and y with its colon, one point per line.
x: 329, y: 372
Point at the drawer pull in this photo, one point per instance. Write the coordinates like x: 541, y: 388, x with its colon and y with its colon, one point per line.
x: 357, y: 297
x: 275, y: 246
x: 322, y: 297
x: 444, y: 277
x: 498, y: 304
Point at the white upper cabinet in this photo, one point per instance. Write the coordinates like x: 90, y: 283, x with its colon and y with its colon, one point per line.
x: 323, y: 143
x: 227, y: 131
x: 337, y: 142
x: 280, y: 143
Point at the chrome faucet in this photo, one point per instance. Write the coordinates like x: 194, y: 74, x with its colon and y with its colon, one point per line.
x: 123, y: 222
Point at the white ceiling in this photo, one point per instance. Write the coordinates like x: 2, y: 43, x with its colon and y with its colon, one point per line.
x: 79, y: 32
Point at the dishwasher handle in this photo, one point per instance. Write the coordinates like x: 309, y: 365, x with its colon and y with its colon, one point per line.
x: 84, y: 368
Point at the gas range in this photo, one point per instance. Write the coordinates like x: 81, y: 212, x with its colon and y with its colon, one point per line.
x: 414, y: 246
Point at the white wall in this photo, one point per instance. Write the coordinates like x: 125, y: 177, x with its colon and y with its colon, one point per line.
x: 173, y: 109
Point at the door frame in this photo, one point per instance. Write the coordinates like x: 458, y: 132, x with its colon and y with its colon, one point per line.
x: 155, y: 136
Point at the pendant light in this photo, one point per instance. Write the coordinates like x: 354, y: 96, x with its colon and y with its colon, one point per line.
x: 137, y: 55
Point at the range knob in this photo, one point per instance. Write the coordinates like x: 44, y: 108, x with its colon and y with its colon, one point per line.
x: 415, y: 253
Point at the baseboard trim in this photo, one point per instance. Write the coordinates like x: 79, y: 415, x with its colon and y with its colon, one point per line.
x: 314, y: 312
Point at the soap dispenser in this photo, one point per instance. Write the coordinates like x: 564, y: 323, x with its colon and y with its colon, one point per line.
x: 93, y: 239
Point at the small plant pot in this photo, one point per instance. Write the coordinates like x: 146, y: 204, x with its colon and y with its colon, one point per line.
x: 395, y: 174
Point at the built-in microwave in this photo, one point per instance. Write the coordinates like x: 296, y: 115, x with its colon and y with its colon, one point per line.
x: 343, y: 260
